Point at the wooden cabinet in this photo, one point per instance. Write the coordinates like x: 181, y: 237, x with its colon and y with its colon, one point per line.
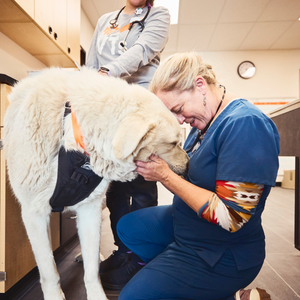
x: 52, y: 17
x: 27, y: 6
x: 16, y: 257
x: 47, y: 29
x: 73, y: 29
x: 43, y: 14
x: 60, y: 23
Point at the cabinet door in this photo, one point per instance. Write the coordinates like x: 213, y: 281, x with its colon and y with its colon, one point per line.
x: 27, y: 6
x: 73, y: 29
x: 60, y: 23
x: 43, y: 12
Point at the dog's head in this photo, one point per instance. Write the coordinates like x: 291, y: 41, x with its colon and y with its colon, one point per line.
x: 122, y: 123
x: 151, y: 129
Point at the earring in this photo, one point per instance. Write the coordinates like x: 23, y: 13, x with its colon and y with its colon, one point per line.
x: 204, y: 100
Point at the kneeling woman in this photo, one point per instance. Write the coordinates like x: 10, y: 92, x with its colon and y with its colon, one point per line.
x: 210, y: 243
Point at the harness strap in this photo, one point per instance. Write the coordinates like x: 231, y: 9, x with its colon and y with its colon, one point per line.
x: 77, y: 130
x: 75, y: 125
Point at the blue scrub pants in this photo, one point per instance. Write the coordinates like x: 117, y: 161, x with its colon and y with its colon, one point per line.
x: 171, y: 271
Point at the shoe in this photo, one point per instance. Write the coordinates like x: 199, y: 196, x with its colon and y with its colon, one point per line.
x: 115, y: 260
x: 252, y: 294
x: 116, y: 279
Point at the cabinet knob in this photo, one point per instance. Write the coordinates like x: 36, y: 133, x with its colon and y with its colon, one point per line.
x: 55, y: 36
x: 73, y: 217
x: 50, y: 29
x: 69, y: 50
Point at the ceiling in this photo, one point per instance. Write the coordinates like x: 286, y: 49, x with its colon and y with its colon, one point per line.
x: 224, y: 25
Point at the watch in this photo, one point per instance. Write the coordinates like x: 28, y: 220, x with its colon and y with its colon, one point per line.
x: 105, y: 70
x: 246, y: 69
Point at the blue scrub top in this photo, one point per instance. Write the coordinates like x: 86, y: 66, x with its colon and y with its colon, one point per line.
x: 241, y: 145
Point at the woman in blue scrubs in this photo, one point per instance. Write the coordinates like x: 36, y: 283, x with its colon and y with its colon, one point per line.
x: 210, y: 243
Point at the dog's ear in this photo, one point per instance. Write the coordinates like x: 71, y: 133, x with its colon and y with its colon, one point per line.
x: 131, y: 133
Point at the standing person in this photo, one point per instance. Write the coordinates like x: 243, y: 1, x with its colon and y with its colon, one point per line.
x: 210, y: 242
x: 128, y: 44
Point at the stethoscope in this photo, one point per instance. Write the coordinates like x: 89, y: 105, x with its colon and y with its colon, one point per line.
x: 114, y: 23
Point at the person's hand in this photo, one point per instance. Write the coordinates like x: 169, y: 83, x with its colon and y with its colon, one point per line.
x: 155, y: 170
x: 103, y: 73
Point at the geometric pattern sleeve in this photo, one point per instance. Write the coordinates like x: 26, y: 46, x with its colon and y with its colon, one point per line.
x: 232, y: 205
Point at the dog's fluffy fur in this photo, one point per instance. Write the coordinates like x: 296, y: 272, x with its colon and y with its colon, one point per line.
x: 120, y: 123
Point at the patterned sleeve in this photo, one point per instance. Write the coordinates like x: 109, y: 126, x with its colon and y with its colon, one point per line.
x: 232, y: 205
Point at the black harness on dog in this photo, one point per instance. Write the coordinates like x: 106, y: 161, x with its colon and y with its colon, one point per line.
x: 75, y: 179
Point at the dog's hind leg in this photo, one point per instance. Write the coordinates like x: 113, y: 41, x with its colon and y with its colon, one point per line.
x: 89, y: 223
x: 37, y: 227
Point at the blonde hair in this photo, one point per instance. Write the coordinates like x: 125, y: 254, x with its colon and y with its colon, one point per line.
x: 178, y: 73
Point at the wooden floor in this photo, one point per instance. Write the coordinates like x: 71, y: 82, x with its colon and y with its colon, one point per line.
x: 280, y: 275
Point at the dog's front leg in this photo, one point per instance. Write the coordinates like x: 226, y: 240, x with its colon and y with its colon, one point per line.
x: 89, y: 223
x: 38, y: 232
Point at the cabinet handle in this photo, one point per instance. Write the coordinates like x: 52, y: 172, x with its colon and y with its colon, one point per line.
x: 74, y: 217
x: 50, y: 29
x: 2, y: 276
x: 55, y: 36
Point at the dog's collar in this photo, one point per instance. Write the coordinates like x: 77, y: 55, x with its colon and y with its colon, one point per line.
x: 75, y: 126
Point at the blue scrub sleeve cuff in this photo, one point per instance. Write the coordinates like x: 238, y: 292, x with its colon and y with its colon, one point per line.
x: 202, y: 209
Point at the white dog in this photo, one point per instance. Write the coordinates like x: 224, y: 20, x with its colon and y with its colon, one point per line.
x: 120, y: 123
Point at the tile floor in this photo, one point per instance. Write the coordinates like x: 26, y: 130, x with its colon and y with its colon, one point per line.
x: 280, y: 274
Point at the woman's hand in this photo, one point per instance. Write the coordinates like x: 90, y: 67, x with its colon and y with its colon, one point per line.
x: 103, y: 73
x: 155, y: 170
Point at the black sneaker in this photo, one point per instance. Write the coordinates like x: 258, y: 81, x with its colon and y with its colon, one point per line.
x: 115, y: 260
x: 117, y: 278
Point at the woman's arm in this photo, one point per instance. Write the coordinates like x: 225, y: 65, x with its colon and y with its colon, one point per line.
x: 158, y: 170
x: 150, y: 42
x: 230, y: 206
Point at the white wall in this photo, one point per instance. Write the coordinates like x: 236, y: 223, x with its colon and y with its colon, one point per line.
x: 15, y: 61
x: 86, y: 32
